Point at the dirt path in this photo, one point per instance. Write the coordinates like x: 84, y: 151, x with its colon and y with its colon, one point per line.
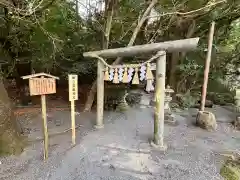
x: 121, y: 151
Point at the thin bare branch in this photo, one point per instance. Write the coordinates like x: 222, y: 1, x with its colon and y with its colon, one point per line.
x: 137, y: 29
x: 25, y: 12
x: 189, y: 12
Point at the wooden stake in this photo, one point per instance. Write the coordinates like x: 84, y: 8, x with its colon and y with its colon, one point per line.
x: 207, y: 67
x: 45, y: 129
x: 73, y: 122
x: 100, y: 94
x: 159, y: 98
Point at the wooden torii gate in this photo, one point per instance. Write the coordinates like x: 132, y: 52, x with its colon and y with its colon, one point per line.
x: 161, y: 49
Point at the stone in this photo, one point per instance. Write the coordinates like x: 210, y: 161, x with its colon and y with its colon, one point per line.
x: 208, y: 104
x: 145, y: 100
x: 170, y: 119
x: 206, y: 120
x: 161, y: 148
x: 133, y: 98
x: 122, y: 106
x: 58, y: 122
x: 168, y: 116
x: 236, y: 123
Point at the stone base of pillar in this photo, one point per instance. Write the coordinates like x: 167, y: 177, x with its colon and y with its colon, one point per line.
x: 159, y: 147
x: 99, y: 126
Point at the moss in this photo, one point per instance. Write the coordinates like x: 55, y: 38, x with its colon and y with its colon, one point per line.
x: 10, y: 139
x: 14, y: 148
x: 231, y: 170
x: 122, y: 106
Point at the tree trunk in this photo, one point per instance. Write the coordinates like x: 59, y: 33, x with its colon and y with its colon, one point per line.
x: 109, y: 11
x: 178, y: 58
x: 93, y: 90
x: 138, y: 28
x: 173, y: 69
x: 10, y: 140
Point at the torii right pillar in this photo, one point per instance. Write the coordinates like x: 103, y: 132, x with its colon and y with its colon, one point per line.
x: 159, y: 105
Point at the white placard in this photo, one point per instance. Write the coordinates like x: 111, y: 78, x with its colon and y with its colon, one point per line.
x: 73, y: 87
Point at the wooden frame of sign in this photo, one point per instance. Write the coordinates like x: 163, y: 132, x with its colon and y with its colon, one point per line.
x: 73, y: 95
x: 42, y: 84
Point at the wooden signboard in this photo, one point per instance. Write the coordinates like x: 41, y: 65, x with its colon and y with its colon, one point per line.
x: 42, y: 84
x: 73, y: 87
x: 73, y: 95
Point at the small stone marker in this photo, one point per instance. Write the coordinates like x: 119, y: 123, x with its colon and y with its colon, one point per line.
x: 42, y: 84
x: 237, y: 100
x: 168, y: 116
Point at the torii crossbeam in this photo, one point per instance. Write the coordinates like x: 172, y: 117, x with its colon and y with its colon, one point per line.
x: 161, y: 48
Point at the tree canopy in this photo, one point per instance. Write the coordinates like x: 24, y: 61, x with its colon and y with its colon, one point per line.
x: 52, y: 34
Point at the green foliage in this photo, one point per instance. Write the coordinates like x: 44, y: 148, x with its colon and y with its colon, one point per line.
x: 230, y: 170
x: 188, y: 99
x: 190, y: 73
x: 54, y: 39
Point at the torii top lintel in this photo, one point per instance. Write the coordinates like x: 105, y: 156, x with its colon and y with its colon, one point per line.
x: 169, y: 46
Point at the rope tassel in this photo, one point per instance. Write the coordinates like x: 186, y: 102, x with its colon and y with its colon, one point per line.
x: 149, y: 86
x: 106, y: 75
x: 135, y: 78
x: 115, y: 79
x: 149, y: 74
x: 125, y: 76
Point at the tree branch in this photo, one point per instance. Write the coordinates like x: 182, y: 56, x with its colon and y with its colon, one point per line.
x: 189, y: 12
x: 92, y: 92
x: 12, y: 7
x: 137, y: 29
x: 44, y: 7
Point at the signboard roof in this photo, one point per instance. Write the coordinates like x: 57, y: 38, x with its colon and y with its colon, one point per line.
x: 39, y: 74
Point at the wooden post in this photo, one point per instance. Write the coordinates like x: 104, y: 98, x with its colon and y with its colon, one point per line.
x: 159, y: 98
x: 46, y: 84
x: 100, y: 95
x: 207, y: 66
x: 73, y: 96
x: 73, y: 122
x: 45, y: 129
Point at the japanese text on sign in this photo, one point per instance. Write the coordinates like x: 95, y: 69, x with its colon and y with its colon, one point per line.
x: 41, y: 86
x: 73, y: 87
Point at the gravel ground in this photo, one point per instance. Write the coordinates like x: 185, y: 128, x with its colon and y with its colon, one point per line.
x: 121, y: 151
